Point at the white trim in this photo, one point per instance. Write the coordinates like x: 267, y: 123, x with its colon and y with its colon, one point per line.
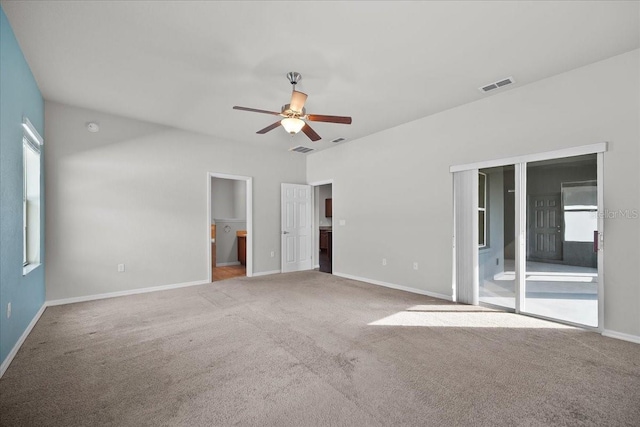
x: 23, y: 337
x: 621, y: 336
x: 29, y: 268
x: 227, y: 264
x: 601, y: 248
x: 232, y: 220
x: 249, y: 216
x: 394, y: 286
x: 520, y: 231
x: 322, y: 182
x: 31, y: 131
x: 266, y: 273
x: 484, y: 209
x: 228, y: 176
x: 85, y: 298
x: 599, y: 147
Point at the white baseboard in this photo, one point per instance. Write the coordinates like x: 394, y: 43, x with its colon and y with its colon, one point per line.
x: 63, y: 301
x: 394, y: 286
x: 266, y: 273
x: 227, y: 264
x: 25, y: 334
x: 621, y: 336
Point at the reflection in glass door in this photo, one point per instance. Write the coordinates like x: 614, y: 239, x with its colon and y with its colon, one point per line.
x: 496, y: 236
x: 561, y: 277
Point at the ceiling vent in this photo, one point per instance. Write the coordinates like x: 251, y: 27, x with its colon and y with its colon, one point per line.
x: 496, y: 85
x: 338, y: 140
x: 301, y: 149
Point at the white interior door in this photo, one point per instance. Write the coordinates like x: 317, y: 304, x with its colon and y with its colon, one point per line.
x: 296, y: 227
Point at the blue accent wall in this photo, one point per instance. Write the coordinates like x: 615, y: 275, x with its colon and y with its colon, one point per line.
x: 19, y: 96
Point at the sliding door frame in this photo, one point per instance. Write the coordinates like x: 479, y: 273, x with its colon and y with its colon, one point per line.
x: 521, y: 233
x: 520, y: 170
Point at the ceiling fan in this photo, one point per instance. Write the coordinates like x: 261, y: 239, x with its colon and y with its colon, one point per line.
x: 295, y: 114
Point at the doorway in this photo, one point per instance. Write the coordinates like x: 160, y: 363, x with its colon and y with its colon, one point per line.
x: 230, y: 226
x: 561, y: 270
x: 323, y: 228
x: 538, y: 232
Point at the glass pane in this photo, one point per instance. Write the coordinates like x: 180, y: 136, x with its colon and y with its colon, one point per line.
x: 579, y: 226
x: 576, y: 195
x: 481, y: 228
x: 481, y: 190
x: 561, y: 277
x: 496, y: 260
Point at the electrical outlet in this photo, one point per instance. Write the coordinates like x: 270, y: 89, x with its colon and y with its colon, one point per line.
x: 8, y: 310
x: 384, y: 261
x: 415, y: 265
x: 120, y: 268
x: 273, y: 253
x: 343, y: 222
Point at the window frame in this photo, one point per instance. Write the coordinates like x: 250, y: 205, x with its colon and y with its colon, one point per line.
x: 31, y: 146
x: 593, y: 209
x: 482, y: 208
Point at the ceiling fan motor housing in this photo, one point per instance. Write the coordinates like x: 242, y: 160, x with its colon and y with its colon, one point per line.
x: 288, y: 112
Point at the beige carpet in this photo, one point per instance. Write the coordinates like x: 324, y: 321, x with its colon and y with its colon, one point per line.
x: 308, y: 349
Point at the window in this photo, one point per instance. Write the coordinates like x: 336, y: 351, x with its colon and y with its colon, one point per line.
x: 580, y: 208
x: 482, y: 210
x: 31, y: 143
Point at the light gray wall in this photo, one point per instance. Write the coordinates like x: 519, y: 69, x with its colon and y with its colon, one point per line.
x: 136, y: 193
x: 399, y: 178
x: 223, y: 198
x: 227, y: 240
x: 240, y: 199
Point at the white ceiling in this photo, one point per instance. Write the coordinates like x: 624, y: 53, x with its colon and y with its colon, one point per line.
x: 185, y: 64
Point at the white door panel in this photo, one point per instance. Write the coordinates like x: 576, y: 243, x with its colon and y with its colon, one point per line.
x: 296, y: 227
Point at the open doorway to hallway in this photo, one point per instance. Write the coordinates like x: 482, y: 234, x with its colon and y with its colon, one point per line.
x: 230, y: 222
x: 323, y: 229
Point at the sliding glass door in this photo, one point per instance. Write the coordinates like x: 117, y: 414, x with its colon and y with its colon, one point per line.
x: 496, y: 236
x: 561, y: 278
x: 538, y: 238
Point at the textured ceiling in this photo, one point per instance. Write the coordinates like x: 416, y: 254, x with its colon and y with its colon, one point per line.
x: 185, y: 64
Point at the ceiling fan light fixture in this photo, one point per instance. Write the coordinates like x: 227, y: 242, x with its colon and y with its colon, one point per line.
x: 292, y: 125
x: 292, y: 113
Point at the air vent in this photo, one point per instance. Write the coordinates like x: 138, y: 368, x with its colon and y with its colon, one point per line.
x: 496, y: 85
x: 301, y: 149
x: 338, y: 140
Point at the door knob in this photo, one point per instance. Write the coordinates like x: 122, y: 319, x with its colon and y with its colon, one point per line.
x: 285, y: 232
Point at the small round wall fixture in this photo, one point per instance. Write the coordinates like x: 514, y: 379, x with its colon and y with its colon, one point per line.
x: 93, y: 127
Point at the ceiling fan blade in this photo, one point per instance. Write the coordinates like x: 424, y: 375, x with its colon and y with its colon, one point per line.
x: 297, y: 101
x: 310, y: 133
x: 269, y: 128
x: 254, y: 110
x: 329, y: 119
